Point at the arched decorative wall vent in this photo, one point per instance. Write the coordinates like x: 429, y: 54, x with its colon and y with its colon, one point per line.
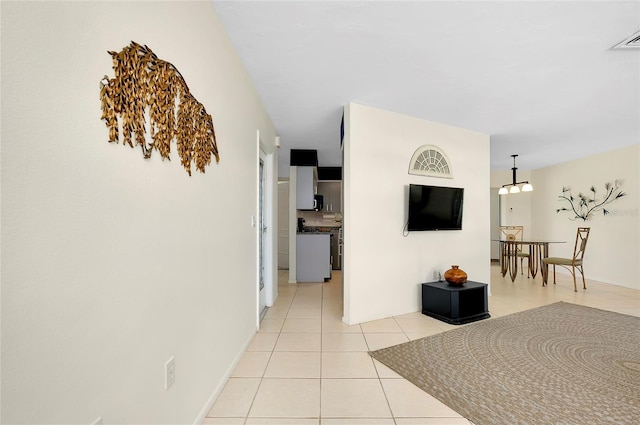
x: 430, y: 160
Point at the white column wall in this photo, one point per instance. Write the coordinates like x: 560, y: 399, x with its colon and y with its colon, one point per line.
x: 111, y: 263
x: 383, y: 269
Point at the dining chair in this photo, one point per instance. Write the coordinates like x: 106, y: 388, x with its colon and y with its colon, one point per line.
x: 514, y: 233
x: 576, y: 261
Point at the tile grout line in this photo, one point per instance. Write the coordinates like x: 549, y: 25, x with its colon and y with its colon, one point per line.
x: 321, y: 354
x: 253, y: 399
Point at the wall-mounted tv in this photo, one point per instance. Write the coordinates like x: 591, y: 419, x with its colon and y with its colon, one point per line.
x: 435, y: 208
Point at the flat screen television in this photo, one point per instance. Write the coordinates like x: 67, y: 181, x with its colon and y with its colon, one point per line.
x: 435, y: 208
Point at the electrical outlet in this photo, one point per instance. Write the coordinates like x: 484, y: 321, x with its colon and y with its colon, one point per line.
x: 435, y: 275
x: 169, y: 373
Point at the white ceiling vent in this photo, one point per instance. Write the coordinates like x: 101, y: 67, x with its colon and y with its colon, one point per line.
x: 632, y: 42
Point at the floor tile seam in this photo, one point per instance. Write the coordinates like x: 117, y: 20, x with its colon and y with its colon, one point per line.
x: 383, y: 392
x: 315, y: 319
x: 294, y: 378
x: 295, y: 306
x: 320, y: 393
x: 289, y: 305
x: 385, y: 333
x: 403, y: 331
x: 270, y: 418
x: 369, y: 349
x: 275, y: 344
x: 357, y: 417
x: 297, y: 351
x: 374, y: 365
x: 322, y: 309
x: 430, y: 417
x: 253, y: 399
x: 248, y: 416
x: 406, y: 332
x: 394, y: 416
x: 265, y: 368
x: 304, y: 307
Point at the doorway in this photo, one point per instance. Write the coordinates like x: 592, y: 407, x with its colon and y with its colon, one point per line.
x: 495, y: 223
x: 265, y: 223
x: 283, y: 225
x: 262, y: 229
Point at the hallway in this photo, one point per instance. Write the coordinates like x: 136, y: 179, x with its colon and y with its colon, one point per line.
x: 306, y: 367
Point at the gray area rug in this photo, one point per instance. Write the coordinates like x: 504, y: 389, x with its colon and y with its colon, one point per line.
x: 554, y: 365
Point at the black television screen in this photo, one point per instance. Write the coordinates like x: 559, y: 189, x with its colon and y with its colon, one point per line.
x: 435, y: 208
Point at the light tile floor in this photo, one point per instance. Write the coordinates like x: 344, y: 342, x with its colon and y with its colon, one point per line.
x: 306, y: 367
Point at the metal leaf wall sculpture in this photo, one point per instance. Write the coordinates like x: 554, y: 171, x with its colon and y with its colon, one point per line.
x: 145, y: 85
x: 583, y: 206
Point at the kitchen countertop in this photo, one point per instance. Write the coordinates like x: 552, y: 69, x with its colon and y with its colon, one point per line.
x: 320, y: 229
x: 323, y: 225
x: 312, y: 228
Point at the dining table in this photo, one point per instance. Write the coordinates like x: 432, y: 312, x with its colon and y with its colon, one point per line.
x: 538, y: 249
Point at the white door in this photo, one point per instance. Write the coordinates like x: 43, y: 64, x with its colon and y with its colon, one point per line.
x: 262, y: 228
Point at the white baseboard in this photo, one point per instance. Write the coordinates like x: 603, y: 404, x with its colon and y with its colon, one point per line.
x: 216, y: 392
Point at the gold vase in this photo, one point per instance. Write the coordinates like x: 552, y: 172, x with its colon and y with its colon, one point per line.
x: 455, y: 276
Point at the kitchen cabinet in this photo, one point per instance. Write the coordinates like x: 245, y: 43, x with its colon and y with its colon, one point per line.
x: 336, y: 248
x: 332, y: 193
x: 306, y: 187
x: 313, y: 257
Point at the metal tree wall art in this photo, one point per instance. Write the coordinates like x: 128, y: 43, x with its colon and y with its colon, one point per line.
x: 146, y: 86
x: 583, y: 206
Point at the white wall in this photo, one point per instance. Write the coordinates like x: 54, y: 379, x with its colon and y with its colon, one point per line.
x: 383, y: 269
x: 613, y: 249
x: 111, y: 264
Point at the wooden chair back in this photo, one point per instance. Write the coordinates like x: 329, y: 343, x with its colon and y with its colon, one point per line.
x: 512, y: 233
x: 581, y: 243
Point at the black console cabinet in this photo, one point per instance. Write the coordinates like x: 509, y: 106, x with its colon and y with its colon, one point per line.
x: 455, y: 304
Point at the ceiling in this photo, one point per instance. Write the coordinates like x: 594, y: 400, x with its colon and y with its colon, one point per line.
x: 540, y: 77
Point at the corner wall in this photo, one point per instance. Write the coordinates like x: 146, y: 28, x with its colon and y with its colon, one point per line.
x: 383, y: 269
x: 614, y: 241
x: 111, y: 263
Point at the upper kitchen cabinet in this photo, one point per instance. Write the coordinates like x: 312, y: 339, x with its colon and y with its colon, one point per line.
x: 332, y: 195
x: 305, y: 162
x: 330, y: 187
x: 306, y: 187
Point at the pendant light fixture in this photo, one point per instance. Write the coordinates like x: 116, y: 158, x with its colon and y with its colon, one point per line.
x: 513, y: 187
